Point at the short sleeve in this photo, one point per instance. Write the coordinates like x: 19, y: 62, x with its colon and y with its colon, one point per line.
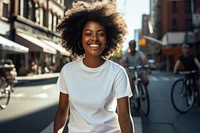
x: 61, y: 84
x: 122, y: 85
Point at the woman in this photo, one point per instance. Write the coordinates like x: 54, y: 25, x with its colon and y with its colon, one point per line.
x: 92, y: 86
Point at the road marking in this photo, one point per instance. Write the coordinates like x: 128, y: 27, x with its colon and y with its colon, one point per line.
x: 154, y: 78
x: 137, y: 124
x: 165, y: 79
x: 47, y: 87
x: 41, y: 95
x: 17, y: 95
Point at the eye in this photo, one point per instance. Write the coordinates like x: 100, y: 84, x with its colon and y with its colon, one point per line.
x: 88, y: 34
x: 101, y: 34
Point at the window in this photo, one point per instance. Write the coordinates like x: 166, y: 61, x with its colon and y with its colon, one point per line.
x: 188, y: 6
x: 188, y: 24
x: 174, y: 6
x: 44, y: 17
x: 19, y: 7
x: 5, y: 10
x: 32, y: 11
x: 52, y: 18
x: 25, y: 9
x: 174, y: 25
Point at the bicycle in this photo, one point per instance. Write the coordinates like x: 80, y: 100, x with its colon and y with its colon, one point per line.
x: 7, y: 79
x: 140, y: 98
x: 183, y: 92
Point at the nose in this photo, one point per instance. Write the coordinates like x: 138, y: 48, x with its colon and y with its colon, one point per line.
x: 94, y: 37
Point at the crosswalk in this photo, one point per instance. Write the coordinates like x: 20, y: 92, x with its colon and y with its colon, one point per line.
x: 162, y: 78
x: 137, y: 124
x: 44, y: 95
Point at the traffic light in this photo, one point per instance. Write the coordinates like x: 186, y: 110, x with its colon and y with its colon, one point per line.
x: 142, y: 42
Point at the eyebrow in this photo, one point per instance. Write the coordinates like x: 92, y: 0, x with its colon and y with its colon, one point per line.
x: 97, y: 31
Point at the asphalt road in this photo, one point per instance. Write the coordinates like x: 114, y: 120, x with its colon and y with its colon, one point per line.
x: 33, y: 105
x: 163, y: 118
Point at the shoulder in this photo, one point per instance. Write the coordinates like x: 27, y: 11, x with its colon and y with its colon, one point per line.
x: 71, y: 65
x: 192, y: 55
x: 113, y: 66
x: 139, y: 52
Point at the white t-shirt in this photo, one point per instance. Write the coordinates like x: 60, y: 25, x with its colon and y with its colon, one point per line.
x: 92, y: 95
x: 135, y: 59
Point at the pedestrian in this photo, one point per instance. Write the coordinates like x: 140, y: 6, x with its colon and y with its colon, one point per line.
x: 33, y: 67
x: 190, y: 62
x: 92, y: 86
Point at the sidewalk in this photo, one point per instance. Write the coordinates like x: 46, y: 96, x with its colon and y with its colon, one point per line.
x: 38, y: 77
x: 32, y: 78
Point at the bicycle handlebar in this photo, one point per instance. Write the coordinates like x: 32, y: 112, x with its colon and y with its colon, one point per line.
x: 188, y: 72
x: 138, y: 67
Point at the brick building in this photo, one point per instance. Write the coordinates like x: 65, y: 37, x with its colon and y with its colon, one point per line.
x: 173, y: 24
x: 33, y: 24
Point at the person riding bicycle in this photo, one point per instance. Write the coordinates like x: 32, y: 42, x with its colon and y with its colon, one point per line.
x: 135, y: 57
x: 190, y: 62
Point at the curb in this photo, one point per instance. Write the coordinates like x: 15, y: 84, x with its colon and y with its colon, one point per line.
x: 21, y: 80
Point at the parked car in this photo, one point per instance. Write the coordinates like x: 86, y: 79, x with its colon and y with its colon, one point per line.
x: 152, y: 64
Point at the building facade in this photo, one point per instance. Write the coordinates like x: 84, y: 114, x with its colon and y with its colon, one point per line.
x: 173, y: 24
x: 33, y: 24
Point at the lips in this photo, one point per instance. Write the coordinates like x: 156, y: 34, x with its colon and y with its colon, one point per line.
x: 94, y: 46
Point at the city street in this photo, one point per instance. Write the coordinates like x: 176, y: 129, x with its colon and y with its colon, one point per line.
x: 33, y: 104
x: 31, y: 108
x: 163, y: 118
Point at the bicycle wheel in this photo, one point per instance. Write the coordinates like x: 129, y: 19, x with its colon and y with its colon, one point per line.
x: 182, y: 96
x: 135, y: 101
x: 144, y: 99
x: 4, y: 93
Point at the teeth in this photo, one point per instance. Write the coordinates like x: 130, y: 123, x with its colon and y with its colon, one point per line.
x: 94, y: 46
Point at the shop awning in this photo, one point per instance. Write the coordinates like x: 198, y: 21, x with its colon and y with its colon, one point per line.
x: 6, y: 44
x: 178, y: 37
x: 33, y: 43
x: 57, y: 47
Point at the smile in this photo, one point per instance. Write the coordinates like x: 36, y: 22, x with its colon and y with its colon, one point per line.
x: 94, y: 46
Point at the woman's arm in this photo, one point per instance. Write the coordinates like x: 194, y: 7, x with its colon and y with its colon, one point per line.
x: 125, y: 119
x: 61, y: 114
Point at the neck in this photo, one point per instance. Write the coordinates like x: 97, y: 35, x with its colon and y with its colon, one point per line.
x: 93, y: 62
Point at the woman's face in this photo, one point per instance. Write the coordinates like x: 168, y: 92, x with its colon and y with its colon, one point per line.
x: 93, y: 38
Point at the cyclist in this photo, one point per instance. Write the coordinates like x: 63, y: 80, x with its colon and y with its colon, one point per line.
x: 190, y: 62
x: 135, y: 57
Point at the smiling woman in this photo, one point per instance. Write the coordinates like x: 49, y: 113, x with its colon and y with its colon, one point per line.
x: 92, y: 86
x: 93, y: 39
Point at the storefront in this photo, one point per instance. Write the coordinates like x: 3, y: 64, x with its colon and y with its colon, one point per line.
x: 12, y: 50
x: 39, y: 52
